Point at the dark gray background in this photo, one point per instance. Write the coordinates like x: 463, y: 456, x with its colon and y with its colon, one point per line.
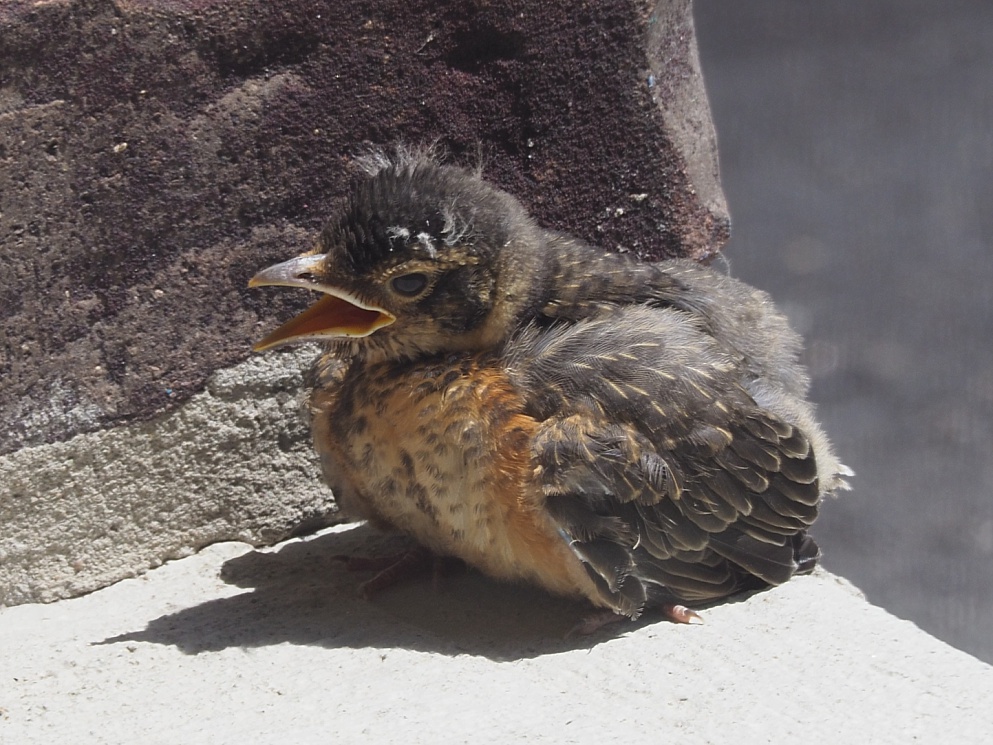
x: 856, y: 143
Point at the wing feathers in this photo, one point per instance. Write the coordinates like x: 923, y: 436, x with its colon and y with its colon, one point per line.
x: 662, y: 473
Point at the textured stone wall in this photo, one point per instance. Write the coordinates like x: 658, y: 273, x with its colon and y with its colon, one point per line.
x: 155, y: 154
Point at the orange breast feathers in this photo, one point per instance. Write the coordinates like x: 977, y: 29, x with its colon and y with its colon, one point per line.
x: 443, y: 452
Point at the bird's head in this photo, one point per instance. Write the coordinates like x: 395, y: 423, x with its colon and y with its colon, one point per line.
x: 424, y: 258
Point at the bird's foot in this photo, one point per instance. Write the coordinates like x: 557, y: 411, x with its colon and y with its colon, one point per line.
x: 396, y: 568
x: 594, y: 622
x: 599, y: 619
x: 681, y: 614
x: 390, y: 570
x: 372, y: 563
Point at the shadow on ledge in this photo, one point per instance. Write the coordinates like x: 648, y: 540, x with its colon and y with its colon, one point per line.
x: 300, y: 594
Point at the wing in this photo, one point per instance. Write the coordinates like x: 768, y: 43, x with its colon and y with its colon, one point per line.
x: 667, y: 479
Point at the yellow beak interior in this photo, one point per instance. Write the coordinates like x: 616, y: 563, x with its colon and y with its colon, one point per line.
x: 335, y: 315
x: 329, y: 317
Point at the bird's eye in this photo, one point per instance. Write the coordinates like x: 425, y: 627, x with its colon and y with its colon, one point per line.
x: 410, y: 284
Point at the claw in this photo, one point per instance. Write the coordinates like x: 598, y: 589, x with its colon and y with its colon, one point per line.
x: 681, y: 614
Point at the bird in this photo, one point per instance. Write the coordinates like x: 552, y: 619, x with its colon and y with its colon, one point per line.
x: 631, y: 433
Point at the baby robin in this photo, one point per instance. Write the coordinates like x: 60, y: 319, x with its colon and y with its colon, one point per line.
x: 632, y: 433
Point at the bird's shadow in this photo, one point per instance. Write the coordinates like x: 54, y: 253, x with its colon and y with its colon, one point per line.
x: 302, y: 594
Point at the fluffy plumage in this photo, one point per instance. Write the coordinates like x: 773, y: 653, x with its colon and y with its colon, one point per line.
x: 633, y: 433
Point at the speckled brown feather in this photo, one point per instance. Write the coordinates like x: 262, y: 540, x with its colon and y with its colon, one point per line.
x: 440, y: 450
x: 644, y: 418
x: 631, y: 433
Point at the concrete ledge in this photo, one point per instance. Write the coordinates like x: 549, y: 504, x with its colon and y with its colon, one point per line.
x: 234, y: 463
x: 280, y: 649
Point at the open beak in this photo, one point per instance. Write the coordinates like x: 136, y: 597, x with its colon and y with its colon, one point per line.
x: 338, y: 314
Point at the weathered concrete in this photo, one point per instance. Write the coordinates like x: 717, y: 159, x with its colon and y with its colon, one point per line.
x: 284, y: 650
x: 233, y: 463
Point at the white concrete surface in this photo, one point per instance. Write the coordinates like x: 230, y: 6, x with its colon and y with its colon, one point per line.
x: 239, y: 646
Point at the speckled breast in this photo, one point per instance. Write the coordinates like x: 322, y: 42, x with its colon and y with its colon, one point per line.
x: 441, y: 450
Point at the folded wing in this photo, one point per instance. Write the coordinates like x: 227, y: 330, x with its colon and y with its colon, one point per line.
x: 666, y: 478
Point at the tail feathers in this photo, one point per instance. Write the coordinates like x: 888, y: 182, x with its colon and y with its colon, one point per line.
x: 806, y: 552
